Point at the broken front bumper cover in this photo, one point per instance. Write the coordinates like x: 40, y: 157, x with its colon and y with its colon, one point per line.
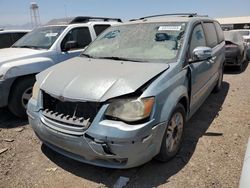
x: 112, y: 148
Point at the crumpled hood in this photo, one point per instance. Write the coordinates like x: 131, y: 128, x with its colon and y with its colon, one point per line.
x: 14, y: 54
x: 96, y: 79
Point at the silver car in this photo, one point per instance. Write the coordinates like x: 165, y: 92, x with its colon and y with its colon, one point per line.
x: 126, y: 99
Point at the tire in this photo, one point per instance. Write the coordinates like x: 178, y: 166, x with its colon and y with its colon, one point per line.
x: 20, y: 94
x: 240, y: 67
x: 172, y: 134
x: 218, y: 86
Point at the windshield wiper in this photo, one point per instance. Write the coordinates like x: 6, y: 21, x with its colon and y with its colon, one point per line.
x: 120, y: 59
x: 86, y: 55
x: 112, y: 57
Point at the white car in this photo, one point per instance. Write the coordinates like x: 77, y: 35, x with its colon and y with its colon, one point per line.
x: 44, y: 47
x: 246, y: 35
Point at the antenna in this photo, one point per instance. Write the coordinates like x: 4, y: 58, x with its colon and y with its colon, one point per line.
x: 34, y: 15
x: 65, y: 11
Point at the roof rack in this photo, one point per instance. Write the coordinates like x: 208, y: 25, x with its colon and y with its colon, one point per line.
x: 84, y: 19
x: 80, y: 19
x: 177, y: 14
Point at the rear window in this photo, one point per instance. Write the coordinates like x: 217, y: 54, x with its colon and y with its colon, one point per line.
x: 244, y: 33
x: 5, y: 40
x: 17, y: 36
x: 100, y: 28
x: 211, y: 35
x: 219, y: 32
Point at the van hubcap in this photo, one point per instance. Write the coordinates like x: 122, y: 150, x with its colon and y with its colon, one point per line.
x: 174, y: 132
x: 27, y: 94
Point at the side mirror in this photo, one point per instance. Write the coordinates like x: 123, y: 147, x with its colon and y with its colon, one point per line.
x: 69, y: 45
x: 202, y: 53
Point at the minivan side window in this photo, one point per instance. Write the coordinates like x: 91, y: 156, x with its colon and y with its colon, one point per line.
x: 219, y: 32
x: 5, y: 40
x: 100, y: 28
x: 81, y: 35
x: 211, y: 35
x: 197, y: 39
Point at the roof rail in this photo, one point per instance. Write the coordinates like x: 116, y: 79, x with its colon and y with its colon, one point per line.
x: 80, y: 19
x: 177, y: 14
x: 84, y: 19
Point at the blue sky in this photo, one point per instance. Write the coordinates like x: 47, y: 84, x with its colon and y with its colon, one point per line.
x: 16, y: 12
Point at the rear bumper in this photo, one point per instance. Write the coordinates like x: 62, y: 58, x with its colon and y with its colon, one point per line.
x: 5, y: 86
x: 110, y: 152
x: 233, y: 56
x: 232, y: 61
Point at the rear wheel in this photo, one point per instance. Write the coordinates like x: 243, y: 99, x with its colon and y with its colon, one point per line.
x: 172, y: 138
x: 20, y: 95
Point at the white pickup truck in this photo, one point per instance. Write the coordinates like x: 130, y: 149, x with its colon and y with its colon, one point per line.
x: 46, y: 46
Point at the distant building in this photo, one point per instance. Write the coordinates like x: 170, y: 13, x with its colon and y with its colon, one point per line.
x: 235, y: 22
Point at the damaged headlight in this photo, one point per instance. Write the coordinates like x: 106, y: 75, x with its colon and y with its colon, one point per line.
x: 35, y: 91
x: 130, y: 110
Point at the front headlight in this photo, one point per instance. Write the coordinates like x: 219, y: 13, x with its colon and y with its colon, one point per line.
x: 35, y: 91
x: 130, y: 110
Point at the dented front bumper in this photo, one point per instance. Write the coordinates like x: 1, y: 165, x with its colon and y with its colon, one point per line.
x: 105, y: 143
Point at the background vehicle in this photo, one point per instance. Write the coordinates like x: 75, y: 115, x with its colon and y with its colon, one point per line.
x: 59, y: 40
x: 236, y: 49
x: 9, y: 37
x: 245, y: 33
x: 246, y: 37
x: 126, y: 99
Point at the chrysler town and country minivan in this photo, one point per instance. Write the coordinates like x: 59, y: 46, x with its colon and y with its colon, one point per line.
x: 126, y: 99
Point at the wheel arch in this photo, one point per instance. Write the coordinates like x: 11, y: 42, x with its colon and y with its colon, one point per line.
x: 18, y: 79
x: 178, y: 95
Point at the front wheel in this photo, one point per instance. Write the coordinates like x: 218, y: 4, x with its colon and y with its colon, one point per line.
x: 172, y: 138
x: 20, y: 95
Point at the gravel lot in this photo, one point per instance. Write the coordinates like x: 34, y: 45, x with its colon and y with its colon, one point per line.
x: 214, y: 147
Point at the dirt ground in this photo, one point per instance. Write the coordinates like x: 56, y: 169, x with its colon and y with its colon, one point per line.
x: 212, y: 154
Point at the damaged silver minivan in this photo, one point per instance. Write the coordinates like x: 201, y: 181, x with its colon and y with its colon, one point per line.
x: 126, y: 99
